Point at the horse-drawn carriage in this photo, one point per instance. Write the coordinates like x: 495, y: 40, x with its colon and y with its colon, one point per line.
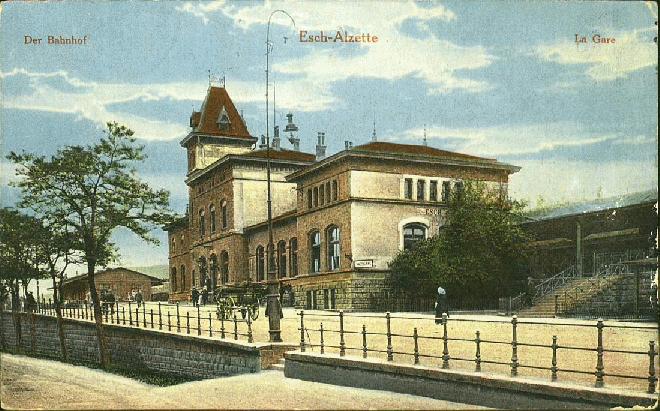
x: 244, y: 298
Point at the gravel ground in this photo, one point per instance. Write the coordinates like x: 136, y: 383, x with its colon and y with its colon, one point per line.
x: 29, y: 383
x: 570, y: 332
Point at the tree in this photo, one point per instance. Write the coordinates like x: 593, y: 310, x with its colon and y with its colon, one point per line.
x: 94, y: 190
x: 478, y: 254
x: 19, y: 259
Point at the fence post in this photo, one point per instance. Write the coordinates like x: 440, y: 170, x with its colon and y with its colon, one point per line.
x: 477, y: 356
x: 199, y: 324
x: 235, y: 327
x: 137, y: 317
x: 123, y: 316
x: 249, y: 325
x: 364, y: 341
x: 187, y: 322
x: 178, y: 318
x: 130, y: 314
x: 85, y: 308
x: 151, y: 317
x: 445, y: 348
x: 222, y: 325
x: 322, y: 347
x: 302, y: 331
x: 342, y: 343
x: 160, y: 317
x: 554, y: 358
x: 416, y: 353
x: 599, y: 350
x: 117, y: 310
x: 210, y: 326
x: 514, y: 346
x: 390, y: 355
x: 106, y: 313
x: 556, y: 305
x: 169, y: 324
x: 652, y: 378
x: 144, y: 314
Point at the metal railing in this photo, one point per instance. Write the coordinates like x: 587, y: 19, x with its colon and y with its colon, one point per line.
x: 340, y: 333
x: 161, y: 316
x: 551, y: 284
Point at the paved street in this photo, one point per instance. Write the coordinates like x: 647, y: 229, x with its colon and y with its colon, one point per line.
x: 29, y: 383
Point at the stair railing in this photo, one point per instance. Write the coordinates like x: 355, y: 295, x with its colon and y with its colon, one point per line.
x: 551, y: 284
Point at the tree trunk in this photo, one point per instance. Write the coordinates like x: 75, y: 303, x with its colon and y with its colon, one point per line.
x: 58, y: 313
x: 98, y: 319
x: 15, y: 308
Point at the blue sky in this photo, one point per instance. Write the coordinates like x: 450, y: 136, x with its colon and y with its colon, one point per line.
x: 498, y: 79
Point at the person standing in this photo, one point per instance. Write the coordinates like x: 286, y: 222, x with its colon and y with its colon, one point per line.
x: 194, y: 294
x: 205, y: 295
x: 440, y: 305
x: 138, y: 297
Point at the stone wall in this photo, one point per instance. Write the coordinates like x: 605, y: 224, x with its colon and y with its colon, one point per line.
x: 451, y: 385
x: 153, y: 351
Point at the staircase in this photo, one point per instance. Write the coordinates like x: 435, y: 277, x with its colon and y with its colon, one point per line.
x: 279, y: 366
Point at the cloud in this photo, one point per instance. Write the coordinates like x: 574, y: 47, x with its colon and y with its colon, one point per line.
x: 397, y: 54
x: 91, y: 100
x: 632, y: 51
x: 509, y: 140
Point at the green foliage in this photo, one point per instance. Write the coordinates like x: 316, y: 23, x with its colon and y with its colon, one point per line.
x: 19, y: 258
x: 478, y: 253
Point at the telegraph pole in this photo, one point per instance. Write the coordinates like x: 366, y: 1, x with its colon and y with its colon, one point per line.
x: 273, y: 303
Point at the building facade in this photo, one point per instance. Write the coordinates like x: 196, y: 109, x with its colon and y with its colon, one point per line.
x: 120, y: 281
x: 337, y: 221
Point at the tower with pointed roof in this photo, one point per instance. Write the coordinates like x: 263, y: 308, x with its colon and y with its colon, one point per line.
x: 216, y: 131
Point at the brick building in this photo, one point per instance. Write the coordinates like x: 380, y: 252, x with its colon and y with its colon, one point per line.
x: 120, y: 281
x: 337, y: 220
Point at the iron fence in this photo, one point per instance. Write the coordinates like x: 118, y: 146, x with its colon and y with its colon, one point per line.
x: 161, y: 316
x: 339, y: 343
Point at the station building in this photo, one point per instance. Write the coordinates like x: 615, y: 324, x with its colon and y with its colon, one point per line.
x: 337, y: 220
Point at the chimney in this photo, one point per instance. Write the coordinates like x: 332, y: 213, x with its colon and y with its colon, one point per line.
x: 276, y: 138
x: 320, y: 146
x: 263, y: 144
x: 292, y: 129
x: 348, y: 145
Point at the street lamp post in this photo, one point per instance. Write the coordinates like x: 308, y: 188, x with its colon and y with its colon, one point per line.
x: 273, y: 303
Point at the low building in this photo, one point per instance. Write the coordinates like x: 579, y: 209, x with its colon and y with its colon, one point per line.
x: 337, y: 221
x: 120, y: 281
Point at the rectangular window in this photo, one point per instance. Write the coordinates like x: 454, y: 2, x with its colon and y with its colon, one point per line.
x: 433, y: 190
x: 308, y: 304
x: 446, y: 188
x: 459, y: 189
x: 333, y: 298
x: 212, y: 216
x: 322, y: 194
x: 202, y: 224
x: 316, y: 196
x: 224, y: 214
x: 309, y: 198
x: 421, y: 190
x: 326, y: 299
x: 408, y: 188
x: 327, y: 192
x: 334, y: 190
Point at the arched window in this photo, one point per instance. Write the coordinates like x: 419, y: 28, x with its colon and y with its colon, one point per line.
x: 214, y: 270
x: 182, y: 283
x: 203, y: 274
x: 173, y: 279
x: 293, y: 256
x: 173, y: 244
x: 260, y: 263
x: 224, y: 214
x: 224, y: 267
x: 412, y: 233
x: 212, y: 216
x: 334, y: 248
x: 281, y: 258
x: 315, y: 249
x: 202, y: 223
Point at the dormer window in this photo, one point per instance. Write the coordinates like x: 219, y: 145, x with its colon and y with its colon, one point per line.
x: 223, y: 120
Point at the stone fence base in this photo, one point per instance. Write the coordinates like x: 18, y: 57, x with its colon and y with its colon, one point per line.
x: 459, y: 386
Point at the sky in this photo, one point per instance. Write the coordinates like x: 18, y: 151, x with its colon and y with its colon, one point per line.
x: 504, y: 80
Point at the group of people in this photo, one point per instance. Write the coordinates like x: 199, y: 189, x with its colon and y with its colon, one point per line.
x: 136, y: 295
x: 199, y: 298
x: 108, y: 301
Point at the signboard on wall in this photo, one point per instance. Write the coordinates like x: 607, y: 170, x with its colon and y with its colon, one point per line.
x: 363, y: 263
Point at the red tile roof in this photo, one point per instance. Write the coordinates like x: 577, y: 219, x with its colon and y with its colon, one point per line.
x: 216, y: 99
x: 384, y: 147
x: 281, y: 154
